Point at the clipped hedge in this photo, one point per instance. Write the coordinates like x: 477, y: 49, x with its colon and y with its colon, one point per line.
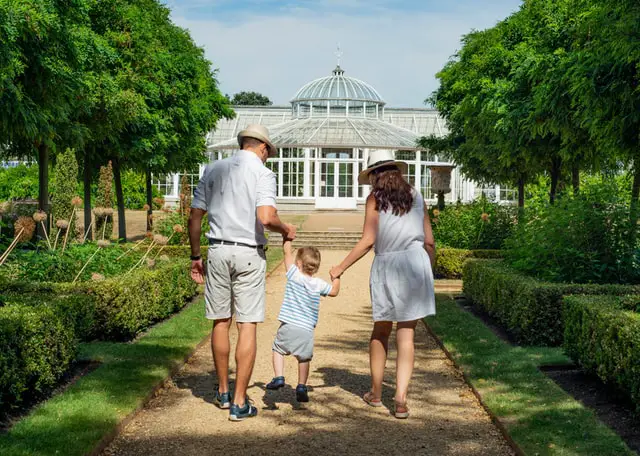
x: 602, y: 334
x: 529, y: 309
x: 116, y: 308
x: 449, y: 262
x: 36, y: 349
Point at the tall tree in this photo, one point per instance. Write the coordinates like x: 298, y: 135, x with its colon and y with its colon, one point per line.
x: 168, y: 91
x: 45, y: 44
x: 250, y: 99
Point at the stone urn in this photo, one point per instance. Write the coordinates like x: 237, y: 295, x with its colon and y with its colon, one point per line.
x: 441, y: 181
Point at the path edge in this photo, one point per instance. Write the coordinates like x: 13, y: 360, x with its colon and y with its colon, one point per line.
x: 494, y: 418
x: 107, y: 439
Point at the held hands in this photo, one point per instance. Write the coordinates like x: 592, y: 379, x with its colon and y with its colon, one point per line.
x: 336, y: 272
x: 291, y: 232
x: 197, y: 271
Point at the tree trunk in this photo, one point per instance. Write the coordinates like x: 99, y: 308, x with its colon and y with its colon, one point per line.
x: 149, y: 200
x: 556, y: 165
x: 633, y: 211
x: 43, y: 185
x: 575, y: 178
x: 122, y: 223
x: 86, y: 177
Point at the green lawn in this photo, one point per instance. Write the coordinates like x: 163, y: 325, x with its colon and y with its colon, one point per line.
x: 72, y: 423
x: 540, y: 417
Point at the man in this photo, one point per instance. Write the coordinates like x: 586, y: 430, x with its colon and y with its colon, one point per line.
x: 239, y: 196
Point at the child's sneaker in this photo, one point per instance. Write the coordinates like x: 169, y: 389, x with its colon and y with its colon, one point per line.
x: 223, y: 400
x: 302, y: 393
x: 237, y: 413
x: 275, y: 383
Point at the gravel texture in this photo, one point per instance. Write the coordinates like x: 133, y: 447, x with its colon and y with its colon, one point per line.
x: 446, y: 418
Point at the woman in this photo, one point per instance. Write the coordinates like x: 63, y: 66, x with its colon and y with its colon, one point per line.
x: 401, y: 283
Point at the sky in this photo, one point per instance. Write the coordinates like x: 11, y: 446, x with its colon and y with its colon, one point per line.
x: 275, y: 47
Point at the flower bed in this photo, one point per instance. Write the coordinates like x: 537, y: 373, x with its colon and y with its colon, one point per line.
x: 602, y: 334
x: 531, y: 310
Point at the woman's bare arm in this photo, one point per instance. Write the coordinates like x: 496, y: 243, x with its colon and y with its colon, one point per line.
x: 366, y: 242
x: 429, y: 242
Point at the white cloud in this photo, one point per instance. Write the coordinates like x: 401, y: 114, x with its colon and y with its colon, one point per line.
x: 397, y: 53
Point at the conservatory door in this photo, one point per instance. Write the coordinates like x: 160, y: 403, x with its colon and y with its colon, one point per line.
x: 335, y: 187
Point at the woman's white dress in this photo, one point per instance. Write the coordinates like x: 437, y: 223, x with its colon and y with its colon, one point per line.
x: 401, y: 282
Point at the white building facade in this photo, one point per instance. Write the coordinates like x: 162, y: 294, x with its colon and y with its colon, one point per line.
x: 324, y: 138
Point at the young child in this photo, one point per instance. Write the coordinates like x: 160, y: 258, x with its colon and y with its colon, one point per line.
x: 299, y: 315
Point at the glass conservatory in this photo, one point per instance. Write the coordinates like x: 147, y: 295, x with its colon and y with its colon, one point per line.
x: 324, y: 138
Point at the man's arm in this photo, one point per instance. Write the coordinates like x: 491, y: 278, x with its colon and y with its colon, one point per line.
x: 287, y: 246
x: 195, y: 230
x: 268, y: 216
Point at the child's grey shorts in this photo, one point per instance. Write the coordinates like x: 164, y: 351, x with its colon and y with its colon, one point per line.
x: 294, y: 340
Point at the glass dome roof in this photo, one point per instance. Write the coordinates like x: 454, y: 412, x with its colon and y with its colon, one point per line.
x: 338, y: 87
x: 337, y: 96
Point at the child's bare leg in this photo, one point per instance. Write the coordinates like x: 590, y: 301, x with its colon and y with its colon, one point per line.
x: 303, y: 372
x: 278, y: 364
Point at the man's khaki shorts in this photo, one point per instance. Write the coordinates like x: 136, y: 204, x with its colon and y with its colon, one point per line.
x: 235, y: 283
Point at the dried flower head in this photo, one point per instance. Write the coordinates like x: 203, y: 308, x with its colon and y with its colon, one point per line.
x: 97, y: 277
x: 5, y: 208
x: 484, y: 217
x: 76, y: 201
x: 151, y: 262
x: 160, y: 239
x: 99, y: 212
x: 164, y: 258
x: 102, y: 243
x: 178, y: 228
x: 108, y: 212
x: 149, y: 235
x: 62, y: 224
x: 146, y: 207
x: 436, y: 212
x: 166, y: 209
x: 24, y: 227
x: 39, y: 216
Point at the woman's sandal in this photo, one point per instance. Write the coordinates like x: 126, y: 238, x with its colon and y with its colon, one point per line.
x: 370, y: 399
x: 402, y: 411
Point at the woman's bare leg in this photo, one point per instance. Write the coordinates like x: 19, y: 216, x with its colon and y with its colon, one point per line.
x: 378, y: 348
x: 405, y: 333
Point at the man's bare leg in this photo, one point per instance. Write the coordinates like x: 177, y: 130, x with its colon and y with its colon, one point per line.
x: 245, y: 359
x: 220, y: 348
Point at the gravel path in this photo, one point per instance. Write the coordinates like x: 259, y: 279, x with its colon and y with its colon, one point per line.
x: 446, y: 419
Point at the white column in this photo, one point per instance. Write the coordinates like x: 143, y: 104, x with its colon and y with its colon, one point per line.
x: 201, y: 170
x: 280, y: 173
x: 355, y: 172
x: 176, y: 186
x: 316, y: 163
x: 419, y: 171
x: 307, y: 173
x: 365, y: 188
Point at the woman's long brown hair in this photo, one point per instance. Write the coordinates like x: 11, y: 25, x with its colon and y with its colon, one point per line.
x: 391, y: 190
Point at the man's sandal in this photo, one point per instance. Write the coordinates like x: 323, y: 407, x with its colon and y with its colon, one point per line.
x: 370, y: 399
x: 402, y: 411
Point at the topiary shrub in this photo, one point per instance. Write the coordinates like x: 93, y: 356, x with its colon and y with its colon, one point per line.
x: 36, y: 349
x: 602, y: 334
x: 450, y: 262
x: 104, y: 200
x: 64, y: 188
x: 529, y: 309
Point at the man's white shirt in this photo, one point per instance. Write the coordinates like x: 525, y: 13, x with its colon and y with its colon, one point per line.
x: 231, y: 190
